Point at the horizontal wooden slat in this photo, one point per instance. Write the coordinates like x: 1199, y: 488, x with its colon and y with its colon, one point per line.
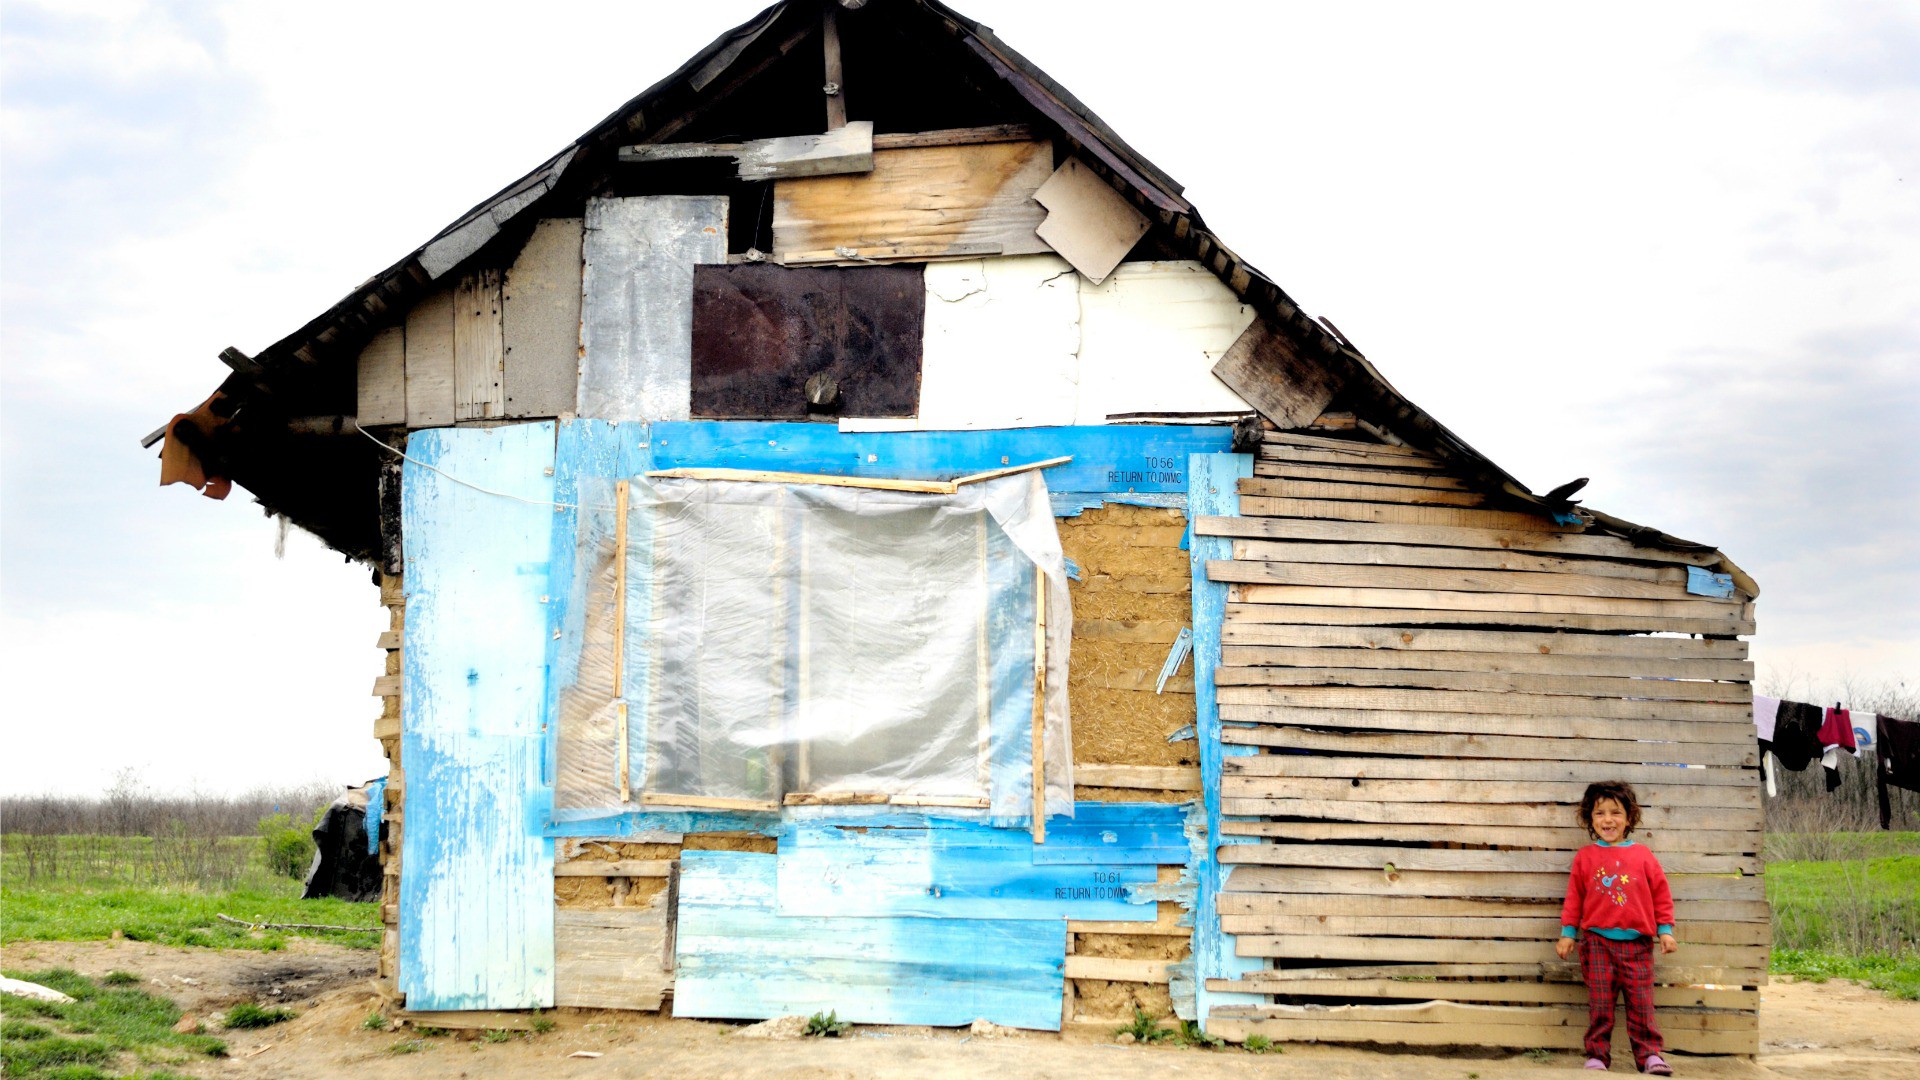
x: 1363, y: 857
x: 1167, y: 923
x: 1491, y: 603
x: 1497, y: 539
x: 1448, y: 1012
x: 1571, y: 727
x: 1664, y: 997
x: 1291, y: 879
x: 1310, y: 615
x: 1742, y: 822
x: 1323, y: 489
x: 1117, y: 969
x: 1241, y: 674
x: 1546, y: 927
x: 1741, y: 965
x: 1277, y: 439
x: 1307, y: 553
x: 644, y: 868
x: 1516, y: 582
x: 1359, y: 474
x: 1507, y: 703
x: 1357, y: 458
x: 1659, y: 779
x: 1515, y: 663
x: 1566, y: 840
x: 1407, y: 639
x: 1479, y: 1034
x: 1493, y: 746
x: 1314, y: 905
x: 1139, y: 777
x: 1393, y: 514
x: 1247, y: 792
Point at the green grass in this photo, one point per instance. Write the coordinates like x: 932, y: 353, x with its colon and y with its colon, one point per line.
x: 102, y: 1025
x: 248, y: 1015
x: 1850, y: 918
x: 177, y: 916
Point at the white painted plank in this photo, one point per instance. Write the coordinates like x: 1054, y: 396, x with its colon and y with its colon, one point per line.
x: 476, y: 905
x: 1149, y: 337
x: 636, y: 328
x: 382, y: 390
x: 1001, y: 343
x: 540, y: 315
x: 611, y: 958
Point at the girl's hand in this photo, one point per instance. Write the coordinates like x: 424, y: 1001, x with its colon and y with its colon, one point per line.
x: 1564, y: 946
x: 1667, y: 944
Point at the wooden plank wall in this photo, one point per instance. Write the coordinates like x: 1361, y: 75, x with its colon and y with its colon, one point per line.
x: 1423, y: 679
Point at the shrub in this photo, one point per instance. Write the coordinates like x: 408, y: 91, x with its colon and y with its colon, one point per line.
x: 826, y: 1025
x: 248, y: 1015
x: 288, y: 847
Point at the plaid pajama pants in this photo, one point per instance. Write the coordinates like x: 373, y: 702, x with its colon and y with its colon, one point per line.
x: 1613, y: 968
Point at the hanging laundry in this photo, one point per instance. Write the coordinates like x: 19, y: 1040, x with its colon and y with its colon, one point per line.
x: 1898, y: 761
x: 1796, y: 734
x: 1765, y: 710
x: 1836, y: 734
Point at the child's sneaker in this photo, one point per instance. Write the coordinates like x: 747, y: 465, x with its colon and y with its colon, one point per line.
x: 1596, y: 1063
x: 1656, y: 1065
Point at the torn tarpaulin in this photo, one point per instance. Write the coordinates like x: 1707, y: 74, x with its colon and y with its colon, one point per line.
x: 179, y: 463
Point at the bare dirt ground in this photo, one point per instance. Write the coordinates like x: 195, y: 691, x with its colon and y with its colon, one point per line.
x: 1832, y: 1030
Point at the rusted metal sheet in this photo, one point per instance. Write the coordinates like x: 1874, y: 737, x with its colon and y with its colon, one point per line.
x: 762, y: 333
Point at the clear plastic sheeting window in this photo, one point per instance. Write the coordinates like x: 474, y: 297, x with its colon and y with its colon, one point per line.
x: 802, y: 644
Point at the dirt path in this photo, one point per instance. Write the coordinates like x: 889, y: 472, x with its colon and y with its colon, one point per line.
x: 1835, y: 1030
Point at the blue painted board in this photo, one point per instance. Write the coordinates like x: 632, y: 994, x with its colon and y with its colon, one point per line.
x: 948, y: 873
x: 476, y: 907
x: 1215, y: 492
x: 1703, y: 582
x: 376, y: 809
x: 738, y: 959
x: 1107, y: 458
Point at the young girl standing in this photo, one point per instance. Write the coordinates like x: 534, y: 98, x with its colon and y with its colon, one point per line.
x: 1618, y: 895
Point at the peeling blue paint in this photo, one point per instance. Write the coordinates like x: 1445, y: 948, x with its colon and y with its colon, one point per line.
x: 738, y: 959
x: 1701, y: 582
x: 376, y: 810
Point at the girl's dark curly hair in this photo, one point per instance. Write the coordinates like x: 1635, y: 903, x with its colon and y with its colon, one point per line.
x: 1619, y: 791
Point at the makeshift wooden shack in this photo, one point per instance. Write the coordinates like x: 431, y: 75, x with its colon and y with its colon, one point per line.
x: 856, y: 540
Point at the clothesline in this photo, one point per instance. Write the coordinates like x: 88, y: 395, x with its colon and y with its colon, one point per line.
x: 1793, y: 733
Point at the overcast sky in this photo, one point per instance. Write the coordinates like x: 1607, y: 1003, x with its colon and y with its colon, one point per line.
x: 1670, y: 247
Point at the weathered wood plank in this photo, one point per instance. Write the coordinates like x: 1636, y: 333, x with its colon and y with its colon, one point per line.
x: 1315, y: 905
x: 1366, y: 474
x: 1502, y: 664
x: 1660, y: 778
x: 644, y: 868
x: 1566, y: 839
x: 1564, y: 727
x: 934, y: 197
x: 1361, y: 857
x: 1542, y: 928
x: 1271, y: 440
x: 1365, y: 787
x: 1367, y: 493
x: 1118, y: 969
x: 1287, y: 384
x: 1742, y: 963
x: 1490, y: 603
x: 1656, y: 819
x: 1730, y: 710
x: 381, y: 384
x: 1398, y: 639
x: 1664, y: 997
x: 1445, y: 580
x: 1525, y: 1036
x: 1732, y: 623
x: 845, y: 150
x: 429, y: 349
x: 1138, y: 777
x: 1526, y: 747
x: 611, y: 958
x: 1301, y: 552
x: 1555, y: 541
x: 540, y: 321
x: 989, y: 133
x: 1301, y: 879
x: 1359, y: 455
x: 479, y: 353
x: 636, y: 332
x: 1598, y: 686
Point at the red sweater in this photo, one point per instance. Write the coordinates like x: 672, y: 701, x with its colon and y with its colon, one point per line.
x: 1619, y: 887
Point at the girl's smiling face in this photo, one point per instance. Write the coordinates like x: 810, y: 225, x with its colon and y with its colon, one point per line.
x: 1609, y: 820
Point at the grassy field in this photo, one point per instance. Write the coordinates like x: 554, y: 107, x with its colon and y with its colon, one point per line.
x: 109, y: 1025
x: 85, y: 888
x: 1849, y: 908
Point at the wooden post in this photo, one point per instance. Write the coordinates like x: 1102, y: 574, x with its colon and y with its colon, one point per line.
x: 621, y: 491
x: 830, y: 45
x: 1039, y: 705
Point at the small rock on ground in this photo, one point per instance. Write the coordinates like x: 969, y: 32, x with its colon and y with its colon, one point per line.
x: 20, y: 988
x: 783, y: 1027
